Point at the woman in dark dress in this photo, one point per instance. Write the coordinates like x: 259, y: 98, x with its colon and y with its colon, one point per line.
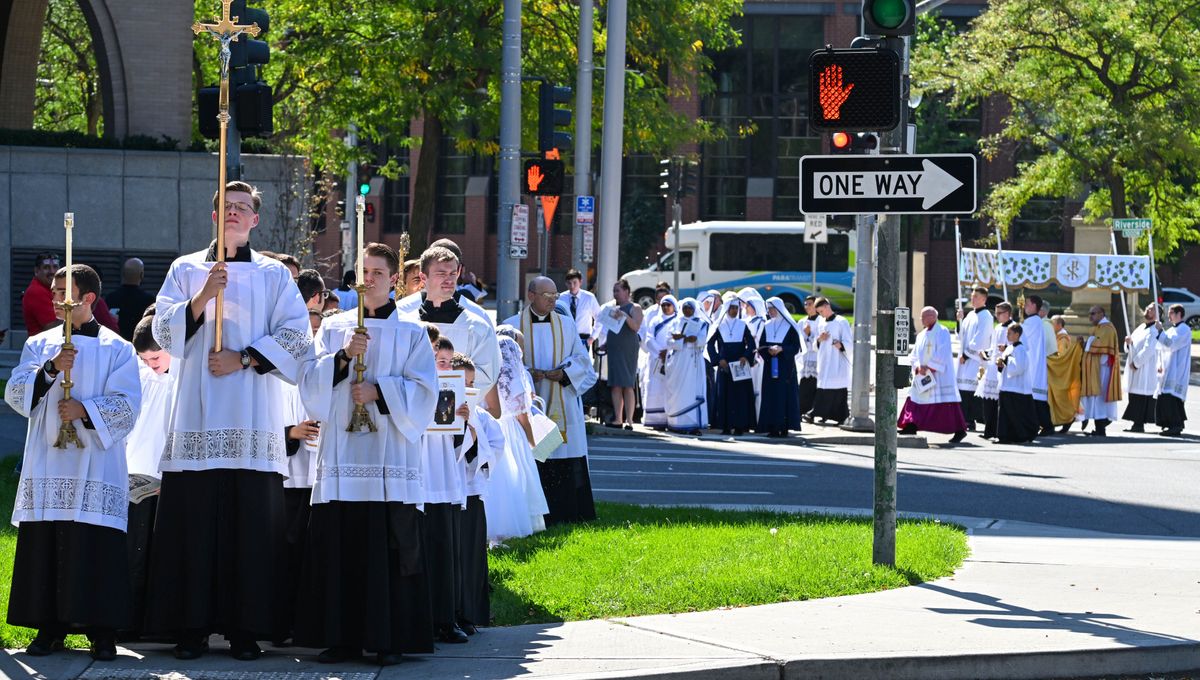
x: 622, y: 351
x: 779, y: 410
x: 732, y: 344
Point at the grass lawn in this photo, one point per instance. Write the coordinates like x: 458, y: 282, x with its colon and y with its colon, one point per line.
x: 636, y: 560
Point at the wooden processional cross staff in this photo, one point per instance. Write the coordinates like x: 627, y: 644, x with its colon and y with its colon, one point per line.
x: 226, y: 31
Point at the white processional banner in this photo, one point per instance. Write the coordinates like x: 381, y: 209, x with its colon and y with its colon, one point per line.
x: 1067, y: 270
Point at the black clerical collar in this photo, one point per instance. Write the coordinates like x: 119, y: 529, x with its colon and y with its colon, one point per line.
x: 1149, y: 324
x: 831, y: 317
x: 1017, y: 344
x: 813, y: 317
x: 448, y: 312
x: 242, y: 255
x: 979, y: 309
x: 536, y: 319
x: 89, y: 329
x: 382, y: 312
x: 1008, y: 323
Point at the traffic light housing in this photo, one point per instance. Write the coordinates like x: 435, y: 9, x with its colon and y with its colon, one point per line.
x: 551, y: 118
x: 246, y: 54
x: 543, y: 177
x: 889, y: 18
x: 255, y: 110
x: 861, y: 143
x: 854, y: 90
x: 253, y: 100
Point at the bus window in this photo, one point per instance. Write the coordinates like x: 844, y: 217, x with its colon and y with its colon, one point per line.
x: 776, y: 252
x: 667, y: 263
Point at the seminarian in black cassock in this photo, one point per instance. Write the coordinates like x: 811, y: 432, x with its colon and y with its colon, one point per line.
x: 779, y: 410
x: 219, y: 539
x: 731, y: 344
x: 70, y: 572
x: 364, y: 584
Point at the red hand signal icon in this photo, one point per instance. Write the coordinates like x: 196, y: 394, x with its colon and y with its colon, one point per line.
x: 534, y: 178
x: 833, y: 95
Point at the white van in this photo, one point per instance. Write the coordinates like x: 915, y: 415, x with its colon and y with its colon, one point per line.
x: 769, y: 256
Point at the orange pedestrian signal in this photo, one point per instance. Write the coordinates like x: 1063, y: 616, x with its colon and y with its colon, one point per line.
x: 543, y: 177
x: 854, y: 90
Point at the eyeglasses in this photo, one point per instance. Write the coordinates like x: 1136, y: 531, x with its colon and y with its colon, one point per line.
x: 243, y: 208
x: 548, y: 296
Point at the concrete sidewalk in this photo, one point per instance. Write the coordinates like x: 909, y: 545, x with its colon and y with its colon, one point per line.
x: 1032, y: 601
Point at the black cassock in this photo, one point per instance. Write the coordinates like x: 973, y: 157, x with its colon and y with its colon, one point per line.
x: 779, y: 409
x: 1017, y: 419
x: 734, y: 399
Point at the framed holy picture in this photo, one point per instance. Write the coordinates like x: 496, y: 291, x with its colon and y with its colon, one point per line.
x: 451, y: 393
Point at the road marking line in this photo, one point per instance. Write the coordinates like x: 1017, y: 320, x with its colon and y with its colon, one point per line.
x: 693, y: 491
x: 692, y: 474
x: 639, y: 459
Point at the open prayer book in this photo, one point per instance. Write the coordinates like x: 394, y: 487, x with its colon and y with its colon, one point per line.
x: 739, y: 371
x: 142, y: 487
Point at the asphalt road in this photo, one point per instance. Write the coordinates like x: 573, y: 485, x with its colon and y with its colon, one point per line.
x: 1135, y: 484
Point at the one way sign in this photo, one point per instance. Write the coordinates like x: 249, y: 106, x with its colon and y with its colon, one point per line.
x: 896, y: 185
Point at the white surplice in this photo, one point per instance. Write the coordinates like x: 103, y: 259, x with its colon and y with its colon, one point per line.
x: 833, y: 364
x: 233, y: 421
x: 88, y: 485
x: 372, y: 466
x: 149, y: 433
x: 472, y: 334
x: 989, y: 383
x: 1034, y: 341
x: 806, y: 361
x: 1178, y: 368
x: 974, y: 337
x: 933, y: 351
x: 302, y: 465
x: 547, y: 347
x: 1017, y: 376
x: 1141, y: 361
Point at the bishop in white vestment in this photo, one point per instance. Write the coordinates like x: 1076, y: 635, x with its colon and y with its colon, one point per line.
x: 933, y: 401
x: 562, y: 371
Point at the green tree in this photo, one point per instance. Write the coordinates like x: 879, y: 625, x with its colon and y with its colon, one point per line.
x: 68, y: 94
x: 1104, y: 98
x: 379, y: 65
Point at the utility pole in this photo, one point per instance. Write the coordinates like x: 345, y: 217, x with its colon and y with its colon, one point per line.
x: 864, y: 281
x: 611, y: 151
x: 508, y: 299
x: 583, y: 128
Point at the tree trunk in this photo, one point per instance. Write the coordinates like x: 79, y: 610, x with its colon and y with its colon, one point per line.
x: 425, y: 185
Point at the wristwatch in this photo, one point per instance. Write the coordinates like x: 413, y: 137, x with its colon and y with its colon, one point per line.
x: 49, y: 368
x: 245, y: 360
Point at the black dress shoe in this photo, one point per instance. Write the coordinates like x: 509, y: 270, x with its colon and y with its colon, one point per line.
x: 467, y: 627
x: 389, y: 658
x: 339, y: 655
x: 1046, y: 432
x: 452, y: 635
x: 958, y: 436
x: 244, y: 649
x: 45, y: 645
x: 1136, y: 428
x: 1065, y: 428
x: 191, y: 648
x: 104, y: 649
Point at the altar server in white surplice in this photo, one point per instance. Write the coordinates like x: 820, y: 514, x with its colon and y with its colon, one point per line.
x: 1142, y: 375
x: 1176, y: 340
x: 987, y: 391
x: 974, y: 339
x: 562, y: 371
x: 364, y: 582
x: 70, y: 569
x: 1033, y: 338
x: 225, y: 458
x: 834, y: 339
x: 471, y: 333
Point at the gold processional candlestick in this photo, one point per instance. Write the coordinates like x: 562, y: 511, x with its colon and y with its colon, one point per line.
x: 360, y: 420
x: 226, y: 31
x: 67, y: 433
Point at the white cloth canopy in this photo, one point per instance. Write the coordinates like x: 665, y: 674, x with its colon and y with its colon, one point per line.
x: 1068, y: 270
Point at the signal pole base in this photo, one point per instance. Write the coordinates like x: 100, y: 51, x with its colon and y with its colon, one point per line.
x: 858, y: 424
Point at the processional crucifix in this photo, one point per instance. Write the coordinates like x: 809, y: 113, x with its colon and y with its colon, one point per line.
x: 226, y: 31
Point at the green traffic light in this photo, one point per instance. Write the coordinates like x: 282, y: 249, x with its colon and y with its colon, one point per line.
x: 889, y: 14
x: 364, y: 188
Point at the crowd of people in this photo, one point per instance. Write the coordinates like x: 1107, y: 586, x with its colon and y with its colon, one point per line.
x: 1024, y: 379
x: 239, y: 475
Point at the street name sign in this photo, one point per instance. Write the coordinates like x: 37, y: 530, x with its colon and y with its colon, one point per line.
x: 890, y: 185
x: 1132, y: 227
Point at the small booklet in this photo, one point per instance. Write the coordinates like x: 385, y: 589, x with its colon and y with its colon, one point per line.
x: 609, y: 322
x: 546, y: 434
x: 452, y: 392
x: 142, y: 487
x: 740, y: 371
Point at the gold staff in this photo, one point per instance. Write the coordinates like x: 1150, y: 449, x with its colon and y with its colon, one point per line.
x: 66, y: 430
x: 226, y: 31
x: 360, y: 419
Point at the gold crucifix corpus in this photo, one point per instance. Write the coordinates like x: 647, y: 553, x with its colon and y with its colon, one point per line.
x: 226, y: 30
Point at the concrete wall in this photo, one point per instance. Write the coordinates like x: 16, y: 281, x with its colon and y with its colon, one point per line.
x: 130, y: 202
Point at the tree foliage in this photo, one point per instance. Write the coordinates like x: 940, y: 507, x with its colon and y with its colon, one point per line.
x: 1105, y: 102
x: 68, y: 97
